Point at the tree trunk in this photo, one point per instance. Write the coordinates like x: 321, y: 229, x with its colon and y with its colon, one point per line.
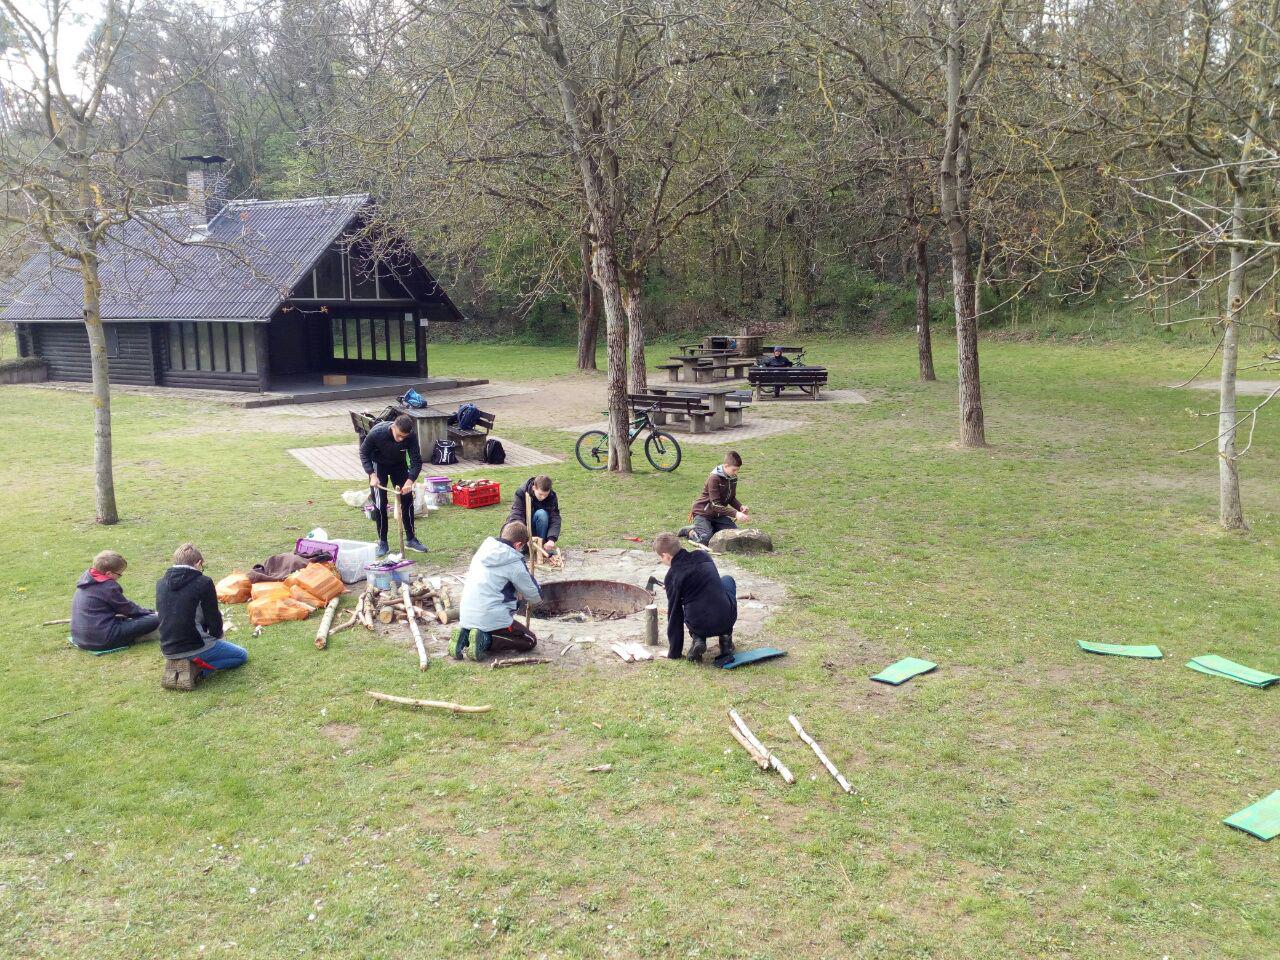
x: 924, y: 340
x: 588, y: 311
x: 952, y: 182
x: 1230, y: 509
x: 104, y: 487
x: 633, y: 301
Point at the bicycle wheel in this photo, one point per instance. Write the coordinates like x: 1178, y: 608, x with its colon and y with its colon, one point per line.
x: 663, y: 451
x: 593, y: 450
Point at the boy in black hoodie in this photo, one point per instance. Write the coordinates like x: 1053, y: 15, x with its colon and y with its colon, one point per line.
x: 697, y: 597
x: 102, y: 617
x: 191, y: 624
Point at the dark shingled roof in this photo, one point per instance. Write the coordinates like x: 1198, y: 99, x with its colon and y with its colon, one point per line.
x: 256, y: 253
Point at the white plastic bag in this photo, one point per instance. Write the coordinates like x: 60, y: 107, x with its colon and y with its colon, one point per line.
x: 355, y: 498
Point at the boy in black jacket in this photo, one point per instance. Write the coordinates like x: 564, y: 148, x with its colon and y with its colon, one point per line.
x: 697, y: 597
x: 545, y: 522
x: 383, y: 454
x: 102, y: 617
x: 191, y: 624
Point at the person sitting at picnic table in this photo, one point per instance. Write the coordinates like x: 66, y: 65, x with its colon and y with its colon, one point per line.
x: 698, y: 598
x: 777, y: 359
x: 717, y: 507
x: 545, y: 522
x: 190, y: 622
x: 487, y: 613
x: 382, y: 455
x: 102, y: 617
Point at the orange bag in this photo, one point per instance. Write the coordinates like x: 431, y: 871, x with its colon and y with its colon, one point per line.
x: 263, y: 613
x: 319, y: 580
x: 297, y: 593
x: 234, y: 588
x: 270, y: 590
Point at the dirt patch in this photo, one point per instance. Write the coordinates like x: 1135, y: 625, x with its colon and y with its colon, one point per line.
x: 343, y: 734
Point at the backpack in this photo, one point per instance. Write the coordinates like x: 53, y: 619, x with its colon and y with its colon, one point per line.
x: 414, y: 400
x: 493, y: 452
x: 468, y: 415
x: 444, y: 453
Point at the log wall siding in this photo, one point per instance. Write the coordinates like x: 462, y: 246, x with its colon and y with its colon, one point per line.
x: 65, y: 348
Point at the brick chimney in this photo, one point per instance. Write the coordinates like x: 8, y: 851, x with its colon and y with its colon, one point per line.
x: 206, y: 191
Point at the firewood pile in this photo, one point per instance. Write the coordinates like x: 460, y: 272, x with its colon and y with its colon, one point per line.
x: 430, y: 596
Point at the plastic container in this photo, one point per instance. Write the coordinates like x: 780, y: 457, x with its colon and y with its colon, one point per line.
x: 353, y: 557
x: 485, y: 495
x: 440, y: 491
x: 384, y: 578
x: 306, y: 546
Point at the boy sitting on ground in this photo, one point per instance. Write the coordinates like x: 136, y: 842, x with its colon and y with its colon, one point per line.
x: 697, y: 598
x: 717, y: 508
x: 487, y: 614
x: 102, y: 617
x: 191, y: 624
x: 545, y: 522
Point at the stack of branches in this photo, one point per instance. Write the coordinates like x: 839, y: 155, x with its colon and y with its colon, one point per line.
x: 430, y: 598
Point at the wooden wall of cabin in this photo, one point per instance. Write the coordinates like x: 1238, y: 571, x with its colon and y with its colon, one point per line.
x: 65, y: 348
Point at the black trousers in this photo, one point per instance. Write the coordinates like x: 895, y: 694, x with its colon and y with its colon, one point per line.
x: 397, y: 475
x: 516, y: 638
x: 704, y: 528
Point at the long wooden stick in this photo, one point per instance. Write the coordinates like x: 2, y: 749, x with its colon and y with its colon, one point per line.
x: 423, y: 662
x: 761, y: 760
x: 349, y: 622
x: 517, y: 662
x: 322, y: 634
x: 54, y: 623
x: 430, y: 704
x: 755, y: 741
x: 533, y: 554
x: 831, y: 767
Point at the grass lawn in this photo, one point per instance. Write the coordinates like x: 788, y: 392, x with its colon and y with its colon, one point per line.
x: 1025, y: 800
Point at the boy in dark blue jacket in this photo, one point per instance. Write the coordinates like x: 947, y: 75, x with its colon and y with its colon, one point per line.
x: 697, y: 598
x: 102, y: 617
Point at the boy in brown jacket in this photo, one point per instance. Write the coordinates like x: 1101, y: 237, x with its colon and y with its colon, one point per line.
x: 717, y: 507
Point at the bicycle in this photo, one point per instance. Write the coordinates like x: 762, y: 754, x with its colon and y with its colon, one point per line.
x: 660, y: 449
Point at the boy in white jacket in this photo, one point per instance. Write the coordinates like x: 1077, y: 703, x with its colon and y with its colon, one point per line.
x: 487, y: 615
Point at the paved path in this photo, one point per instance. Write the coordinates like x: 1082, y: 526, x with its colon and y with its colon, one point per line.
x: 341, y: 461
x: 749, y: 430
x: 1245, y: 388
x: 448, y: 399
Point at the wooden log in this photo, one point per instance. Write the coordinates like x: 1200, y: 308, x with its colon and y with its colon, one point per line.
x: 755, y: 741
x: 441, y: 613
x: 423, y: 662
x: 760, y: 759
x: 326, y: 623
x: 651, y: 624
x: 822, y: 757
x: 517, y: 662
x: 386, y: 615
x: 429, y: 704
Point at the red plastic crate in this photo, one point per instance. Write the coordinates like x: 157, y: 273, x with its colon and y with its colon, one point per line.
x: 472, y: 497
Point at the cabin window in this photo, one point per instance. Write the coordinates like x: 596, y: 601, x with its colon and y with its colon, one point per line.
x: 383, y: 336
x: 212, y: 347
x: 112, y: 335
x: 328, y: 277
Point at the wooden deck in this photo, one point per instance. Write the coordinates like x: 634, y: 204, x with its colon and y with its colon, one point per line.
x: 341, y: 461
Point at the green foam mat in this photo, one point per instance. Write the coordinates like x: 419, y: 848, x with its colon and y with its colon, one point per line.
x: 96, y: 653
x: 904, y: 670
x: 1216, y: 666
x: 1145, y: 651
x: 1261, y: 819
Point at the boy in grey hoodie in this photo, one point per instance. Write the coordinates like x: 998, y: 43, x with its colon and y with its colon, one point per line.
x: 487, y: 614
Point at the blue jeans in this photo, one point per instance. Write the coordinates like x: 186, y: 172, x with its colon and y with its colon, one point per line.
x: 731, y: 588
x: 224, y: 655
x: 541, y: 523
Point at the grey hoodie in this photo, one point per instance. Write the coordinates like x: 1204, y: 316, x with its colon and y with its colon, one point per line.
x: 496, y: 575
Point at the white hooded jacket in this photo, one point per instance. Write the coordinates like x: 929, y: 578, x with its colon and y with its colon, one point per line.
x: 497, y: 573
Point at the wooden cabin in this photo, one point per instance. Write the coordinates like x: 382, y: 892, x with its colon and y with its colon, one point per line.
x: 248, y: 295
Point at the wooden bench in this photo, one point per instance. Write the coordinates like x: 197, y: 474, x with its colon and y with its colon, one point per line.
x: 472, y: 441
x: 733, y: 411
x: 673, y: 370
x: 738, y: 365
x: 361, y: 422
x: 809, y: 380
x: 661, y: 407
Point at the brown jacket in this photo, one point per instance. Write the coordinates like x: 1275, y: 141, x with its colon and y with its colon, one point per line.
x: 719, y: 496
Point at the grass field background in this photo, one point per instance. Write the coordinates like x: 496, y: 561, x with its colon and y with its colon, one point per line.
x: 1025, y: 800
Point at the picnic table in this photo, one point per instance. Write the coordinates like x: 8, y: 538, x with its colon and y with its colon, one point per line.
x: 716, y: 396
x: 430, y: 423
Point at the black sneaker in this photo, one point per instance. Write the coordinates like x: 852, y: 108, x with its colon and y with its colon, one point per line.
x: 683, y: 534
x: 726, y: 646
x: 413, y: 543
x: 381, y: 550
x: 697, y: 649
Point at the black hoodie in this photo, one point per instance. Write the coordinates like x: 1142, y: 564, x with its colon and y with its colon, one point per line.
x: 182, y: 594
x: 94, y: 609
x: 696, y: 598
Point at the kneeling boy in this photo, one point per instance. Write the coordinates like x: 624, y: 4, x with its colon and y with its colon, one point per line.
x: 697, y: 598
x: 717, y: 507
x: 487, y: 614
x: 545, y: 522
x: 191, y: 624
x: 102, y: 617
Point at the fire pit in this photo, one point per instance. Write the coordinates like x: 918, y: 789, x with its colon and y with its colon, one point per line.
x: 591, y: 599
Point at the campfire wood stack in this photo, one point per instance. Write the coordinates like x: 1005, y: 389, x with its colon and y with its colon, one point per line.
x: 431, y: 601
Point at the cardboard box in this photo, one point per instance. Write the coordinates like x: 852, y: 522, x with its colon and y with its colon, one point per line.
x: 335, y: 379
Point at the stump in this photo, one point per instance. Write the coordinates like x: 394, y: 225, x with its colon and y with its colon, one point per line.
x: 742, y: 541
